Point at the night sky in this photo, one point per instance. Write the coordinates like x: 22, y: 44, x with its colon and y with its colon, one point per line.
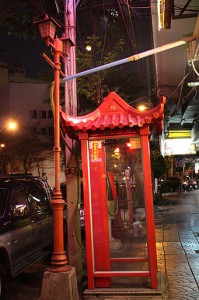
x: 26, y: 53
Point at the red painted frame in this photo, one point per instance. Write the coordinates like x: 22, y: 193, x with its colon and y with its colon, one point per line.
x: 93, y: 274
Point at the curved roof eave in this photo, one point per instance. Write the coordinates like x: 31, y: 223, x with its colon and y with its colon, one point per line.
x: 113, y: 112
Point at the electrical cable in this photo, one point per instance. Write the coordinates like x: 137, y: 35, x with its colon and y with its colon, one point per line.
x: 132, y: 39
x: 53, y: 110
x: 103, y: 49
x: 194, y: 68
x: 134, y: 8
x: 105, y: 35
x: 180, y: 96
x: 178, y: 86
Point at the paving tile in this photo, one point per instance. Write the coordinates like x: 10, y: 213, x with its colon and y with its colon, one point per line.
x: 177, y: 244
x: 184, y: 296
x: 182, y: 281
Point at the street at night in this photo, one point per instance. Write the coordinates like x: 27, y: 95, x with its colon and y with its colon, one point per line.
x: 99, y: 150
x: 27, y: 286
x: 177, y: 236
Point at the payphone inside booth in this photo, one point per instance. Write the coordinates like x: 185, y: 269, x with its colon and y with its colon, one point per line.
x: 118, y: 200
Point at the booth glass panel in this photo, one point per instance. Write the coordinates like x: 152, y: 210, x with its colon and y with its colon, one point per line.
x: 126, y: 203
x: 117, y: 208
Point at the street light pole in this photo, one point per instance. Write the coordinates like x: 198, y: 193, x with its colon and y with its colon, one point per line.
x: 60, y: 49
x: 58, y: 260
x: 59, y: 280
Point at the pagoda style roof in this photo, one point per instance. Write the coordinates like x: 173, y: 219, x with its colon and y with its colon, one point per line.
x: 113, y: 113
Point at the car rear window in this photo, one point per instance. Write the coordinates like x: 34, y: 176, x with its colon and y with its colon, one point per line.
x: 3, y: 197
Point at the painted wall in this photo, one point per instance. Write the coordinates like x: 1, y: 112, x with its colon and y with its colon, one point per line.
x: 170, y: 64
x: 18, y: 100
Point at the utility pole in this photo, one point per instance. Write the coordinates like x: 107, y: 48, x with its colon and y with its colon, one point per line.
x: 70, y: 67
x: 72, y: 178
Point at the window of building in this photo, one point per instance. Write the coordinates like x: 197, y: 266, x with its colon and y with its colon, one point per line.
x: 51, y: 130
x: 44, y: 130
x: 50, y: 114
x: 43, y: 114
x: 33, y: 114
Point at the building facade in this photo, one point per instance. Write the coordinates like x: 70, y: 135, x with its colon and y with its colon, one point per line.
x: 27, y: 101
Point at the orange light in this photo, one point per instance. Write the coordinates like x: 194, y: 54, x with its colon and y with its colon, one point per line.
x: 117, y: 150
x: 12, y: 125
x: 142, y: 107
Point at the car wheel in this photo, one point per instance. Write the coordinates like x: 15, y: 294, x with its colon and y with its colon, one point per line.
x: 2, y: 282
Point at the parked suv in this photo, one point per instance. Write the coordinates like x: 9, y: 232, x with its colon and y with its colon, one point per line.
x: 26, y: 223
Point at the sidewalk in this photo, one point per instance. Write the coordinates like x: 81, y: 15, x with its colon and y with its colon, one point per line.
x: 177, y: 236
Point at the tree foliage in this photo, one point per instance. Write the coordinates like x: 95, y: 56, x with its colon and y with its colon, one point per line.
x: 158, y: 162
x: 16, y: 17
x: 24, y: 151
x: 94, y: 88
x: 104, y: 33
x: 105, y: 26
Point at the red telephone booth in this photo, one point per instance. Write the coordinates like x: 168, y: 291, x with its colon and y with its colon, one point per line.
x: 117, y: 184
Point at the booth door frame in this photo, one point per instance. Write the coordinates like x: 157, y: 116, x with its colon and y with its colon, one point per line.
x: 150, y: 221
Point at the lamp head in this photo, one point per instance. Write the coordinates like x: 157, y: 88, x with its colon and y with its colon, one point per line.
x: 47, y: 28
x: 67, y: 44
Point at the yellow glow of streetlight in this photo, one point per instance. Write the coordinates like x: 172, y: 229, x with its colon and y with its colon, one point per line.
x: 88, y: 48
x: 142, y: 107
x: 12, y: 125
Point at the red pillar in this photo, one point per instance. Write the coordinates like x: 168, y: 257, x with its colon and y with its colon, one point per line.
x: 149, y: 206
x: 96, y: 217
x: 88, y: 213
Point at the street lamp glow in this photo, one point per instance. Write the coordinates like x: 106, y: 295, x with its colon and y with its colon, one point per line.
x: 142, y: 107
x: 12, y: 125
x: 9, y: 125
x: 88, y: 48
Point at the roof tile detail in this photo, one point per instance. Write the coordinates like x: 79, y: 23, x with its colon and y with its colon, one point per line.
x: 113, y: 112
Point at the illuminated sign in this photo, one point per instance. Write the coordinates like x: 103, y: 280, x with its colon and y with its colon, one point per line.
x: 134, y: 143
x: 179, y: 134
x: 179, y: 146
x: 164, y: 14
x: 95, y: 151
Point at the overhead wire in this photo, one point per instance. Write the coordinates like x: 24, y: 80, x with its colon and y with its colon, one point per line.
x: 103, y: 46
x: 142, y: 77
x: 132, y: 38
x: 181, y: 90
x: 193, y: 66
x: 134, y: 8
x: 178, y: 86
